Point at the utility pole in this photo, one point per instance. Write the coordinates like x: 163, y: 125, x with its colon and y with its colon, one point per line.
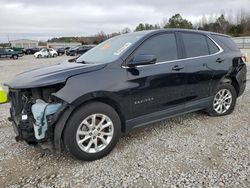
x: 8, y: 39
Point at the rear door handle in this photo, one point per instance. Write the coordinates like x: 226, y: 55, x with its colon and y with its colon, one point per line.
x: 219, y: 60
x: 177, y: 67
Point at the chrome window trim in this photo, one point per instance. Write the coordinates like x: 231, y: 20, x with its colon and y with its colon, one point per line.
x: 183, y: 59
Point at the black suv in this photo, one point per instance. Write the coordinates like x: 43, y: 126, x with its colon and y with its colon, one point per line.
x: 78, y: 50
x: 126, y: 82
x: 29, y: 51
x: 61, y: 51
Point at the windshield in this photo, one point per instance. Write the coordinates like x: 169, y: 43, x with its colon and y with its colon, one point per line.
x: 110, y: 50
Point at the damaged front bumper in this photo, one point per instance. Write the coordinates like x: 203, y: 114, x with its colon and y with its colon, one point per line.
x: 33, y: 118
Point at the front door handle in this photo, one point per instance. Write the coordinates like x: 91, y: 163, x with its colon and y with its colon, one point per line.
x: 219, y: 60
x: 177, y: 67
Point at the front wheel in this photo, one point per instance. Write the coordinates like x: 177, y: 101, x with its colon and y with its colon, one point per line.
x: 92, y: 131
x: 224, y: 101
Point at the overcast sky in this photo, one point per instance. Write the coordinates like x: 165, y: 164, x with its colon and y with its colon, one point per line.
x: 43, y: 19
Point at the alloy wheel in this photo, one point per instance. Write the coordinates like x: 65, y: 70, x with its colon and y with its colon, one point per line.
x: 95, y: 133
x: 222, y: 101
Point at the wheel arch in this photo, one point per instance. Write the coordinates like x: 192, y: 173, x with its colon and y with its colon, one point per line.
x: 71, y: 108
x: 114, y: 104
x: 232, y: 81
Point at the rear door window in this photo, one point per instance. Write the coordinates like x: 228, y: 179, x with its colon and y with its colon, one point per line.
x: 163, y: 47
x: 195, y: 44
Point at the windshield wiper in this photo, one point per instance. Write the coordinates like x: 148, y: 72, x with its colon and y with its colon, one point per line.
x: 74, y: 60
x: 83, y: 62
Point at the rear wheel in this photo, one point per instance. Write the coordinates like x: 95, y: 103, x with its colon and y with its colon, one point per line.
x: 15, y: 56
x: 54, y: 55
x: 224, y: 101
x: 39, y: 56
x: 92, y: 131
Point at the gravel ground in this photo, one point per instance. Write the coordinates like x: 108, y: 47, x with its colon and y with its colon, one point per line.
x: 192, y: 150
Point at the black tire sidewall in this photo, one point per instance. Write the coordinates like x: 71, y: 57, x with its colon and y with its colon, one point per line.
x: 69, y: 135
x: 15, y: 57
x: 229, y: 87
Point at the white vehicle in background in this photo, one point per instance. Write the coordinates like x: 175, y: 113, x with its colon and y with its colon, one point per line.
x: 46, y: 52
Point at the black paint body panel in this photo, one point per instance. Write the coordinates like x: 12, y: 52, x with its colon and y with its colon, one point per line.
x: 142, y: 94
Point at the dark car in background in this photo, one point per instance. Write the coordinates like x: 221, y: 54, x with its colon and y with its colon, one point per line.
x: 128, y: 81
x: 29, y: 51
x: 61, y: 51
x: 10, y: 53
x: 16, y: 49
x: 79, y: 50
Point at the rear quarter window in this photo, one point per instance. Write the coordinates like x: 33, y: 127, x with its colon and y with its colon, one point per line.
x: 226, y: 42
x: 212, y: 46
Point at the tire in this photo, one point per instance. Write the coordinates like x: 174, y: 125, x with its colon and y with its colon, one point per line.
x: 75, y: 125
x: 39, y: 56
x: 54, y: 55
x: 15, y: 57
x: 220, y: 108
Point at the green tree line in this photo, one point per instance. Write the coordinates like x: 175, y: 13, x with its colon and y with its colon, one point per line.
x: 220, y: 24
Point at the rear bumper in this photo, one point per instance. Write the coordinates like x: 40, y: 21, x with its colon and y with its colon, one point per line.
x: 241, y: 78
x: 242, y: 89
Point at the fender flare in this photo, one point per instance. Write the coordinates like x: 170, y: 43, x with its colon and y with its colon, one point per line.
x: 59, y: 127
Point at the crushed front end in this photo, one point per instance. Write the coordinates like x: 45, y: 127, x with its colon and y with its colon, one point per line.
x: 33, y: 113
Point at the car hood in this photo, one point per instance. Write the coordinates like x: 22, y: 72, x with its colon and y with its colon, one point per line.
x: 51, y: 75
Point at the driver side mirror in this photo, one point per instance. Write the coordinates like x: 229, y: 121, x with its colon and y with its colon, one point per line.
x: 3, y: 96
x: 142, y: 60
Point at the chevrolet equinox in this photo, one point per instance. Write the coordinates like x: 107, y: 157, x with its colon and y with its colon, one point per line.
x: 125, y: 82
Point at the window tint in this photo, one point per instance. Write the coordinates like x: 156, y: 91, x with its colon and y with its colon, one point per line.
x: 195, y: 44
x: 227, y: 41
x: 212, y: 47
x: 162, y: 46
